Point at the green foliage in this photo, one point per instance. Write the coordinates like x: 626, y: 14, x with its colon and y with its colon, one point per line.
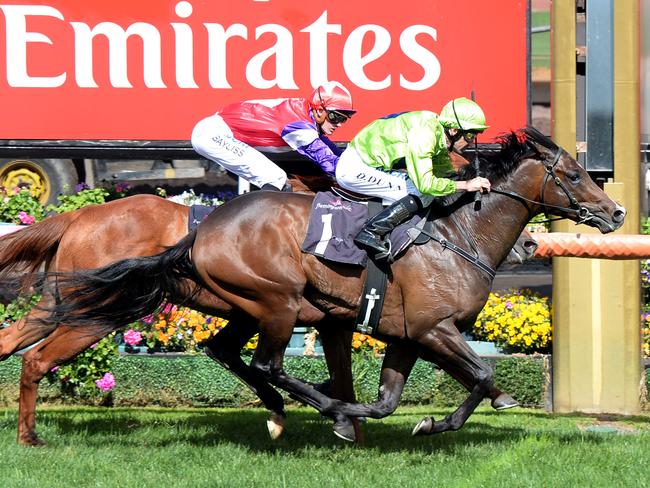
x: 78, y: 377
x: 539, y: 223
x: 17, y: 309
x: 196, y: 380
x: 22, y: 203
x: 83, y: 198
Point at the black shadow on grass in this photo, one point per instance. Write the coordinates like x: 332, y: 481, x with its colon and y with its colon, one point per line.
x: 248, y: 428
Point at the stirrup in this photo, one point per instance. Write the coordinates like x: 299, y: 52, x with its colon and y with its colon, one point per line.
x: 385, y: 254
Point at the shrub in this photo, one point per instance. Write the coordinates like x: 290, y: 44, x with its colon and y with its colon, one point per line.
x: 20, y: 207
x: 517, y: 321
x: 177, y: 329
x: 362, y: 343
x: 89, y: 374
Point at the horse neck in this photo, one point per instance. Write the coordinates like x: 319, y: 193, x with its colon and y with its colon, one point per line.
x: 494, y: 228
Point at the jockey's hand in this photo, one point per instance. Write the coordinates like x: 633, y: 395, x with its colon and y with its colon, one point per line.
x: 475, y: 184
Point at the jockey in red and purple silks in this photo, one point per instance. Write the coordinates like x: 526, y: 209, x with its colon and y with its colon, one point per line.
x: 228, y: 137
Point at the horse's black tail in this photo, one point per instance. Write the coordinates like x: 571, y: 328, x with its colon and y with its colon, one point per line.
x: 123, y: 292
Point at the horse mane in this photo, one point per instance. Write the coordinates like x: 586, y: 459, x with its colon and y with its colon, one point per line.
x: 496, y: 165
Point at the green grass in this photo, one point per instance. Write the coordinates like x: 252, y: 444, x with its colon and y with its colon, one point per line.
x: 230, y: 448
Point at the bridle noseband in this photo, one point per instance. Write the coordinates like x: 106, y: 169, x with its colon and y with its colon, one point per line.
x: 582, y: 212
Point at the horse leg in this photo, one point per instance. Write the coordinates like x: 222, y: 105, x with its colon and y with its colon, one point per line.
x: 225, y: 348
x: 337, y: 346
x: 63, y: 344
x: 268, y: 361
x: 446, y: 347
x: 17, y: 336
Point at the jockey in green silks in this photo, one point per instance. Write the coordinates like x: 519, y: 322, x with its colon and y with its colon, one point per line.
x: 421, y: 140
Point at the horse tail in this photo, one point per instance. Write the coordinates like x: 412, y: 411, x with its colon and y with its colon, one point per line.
x: 123, y: 292
x: 25, y: 250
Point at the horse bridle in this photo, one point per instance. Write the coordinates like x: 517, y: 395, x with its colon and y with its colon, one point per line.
x: 582, y: 212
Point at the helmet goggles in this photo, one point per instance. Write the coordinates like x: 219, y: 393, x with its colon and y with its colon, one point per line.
x: 335, y: 116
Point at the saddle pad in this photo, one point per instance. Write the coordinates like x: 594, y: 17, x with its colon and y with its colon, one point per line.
x: 197, y: 214
x: 333, y: 224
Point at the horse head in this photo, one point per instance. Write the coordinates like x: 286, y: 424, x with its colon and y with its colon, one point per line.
x: 556, y: 184
x: 523, y: 250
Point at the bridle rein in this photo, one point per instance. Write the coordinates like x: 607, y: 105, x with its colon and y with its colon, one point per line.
x: 582, y: 212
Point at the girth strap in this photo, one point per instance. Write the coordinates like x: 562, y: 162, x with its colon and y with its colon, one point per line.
x: 461, y: 252
x: 374, y: 290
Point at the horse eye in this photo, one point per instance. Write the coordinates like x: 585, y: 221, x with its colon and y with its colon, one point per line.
x: 574, y: 177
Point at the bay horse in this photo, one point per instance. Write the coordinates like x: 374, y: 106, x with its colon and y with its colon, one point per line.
x: 98, y: 235
x: 248, y: 254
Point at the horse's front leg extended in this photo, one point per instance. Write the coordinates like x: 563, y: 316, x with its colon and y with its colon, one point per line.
x: 446, y: 347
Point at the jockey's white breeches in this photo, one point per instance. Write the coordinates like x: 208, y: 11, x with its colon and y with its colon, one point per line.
x: 213, y: 139
x: 353, y: 174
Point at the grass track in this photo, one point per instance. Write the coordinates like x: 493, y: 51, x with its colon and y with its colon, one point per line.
x: 230, y: 448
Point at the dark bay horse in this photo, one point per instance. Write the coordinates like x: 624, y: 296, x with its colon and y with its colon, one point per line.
x: 248, y: 255
x: 95, y: 236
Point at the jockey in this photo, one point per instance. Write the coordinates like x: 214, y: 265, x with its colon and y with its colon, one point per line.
x: 423, y: 141
x: 229, y: 136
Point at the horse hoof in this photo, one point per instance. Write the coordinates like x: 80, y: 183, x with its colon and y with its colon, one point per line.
x: 503, y: 402
x: 424, y: 426
x: 275, y: 425
x: 31, y: 440
x: 344, y: 429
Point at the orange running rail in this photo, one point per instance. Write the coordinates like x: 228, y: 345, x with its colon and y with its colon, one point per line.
x: 610, y: 246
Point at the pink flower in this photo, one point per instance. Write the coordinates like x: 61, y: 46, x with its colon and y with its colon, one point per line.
x: 54, y: 369
x: 132, y: 337
x: 107, y: 383
x: 25, y: 218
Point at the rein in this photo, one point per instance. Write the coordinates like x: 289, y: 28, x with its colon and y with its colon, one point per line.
x: 583, y: 213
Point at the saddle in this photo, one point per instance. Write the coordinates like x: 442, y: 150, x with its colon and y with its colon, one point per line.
x: 336, y: 218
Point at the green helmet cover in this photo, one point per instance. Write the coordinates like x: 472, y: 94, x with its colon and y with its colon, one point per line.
x: 463, y: 114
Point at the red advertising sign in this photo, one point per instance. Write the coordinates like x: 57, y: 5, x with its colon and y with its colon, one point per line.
x: 124, y: 69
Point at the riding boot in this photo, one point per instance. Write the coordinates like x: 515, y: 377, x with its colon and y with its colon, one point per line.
x: 373, y: 234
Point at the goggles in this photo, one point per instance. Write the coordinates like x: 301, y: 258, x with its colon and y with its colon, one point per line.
x: 336, y: 117
x: 469, y: 136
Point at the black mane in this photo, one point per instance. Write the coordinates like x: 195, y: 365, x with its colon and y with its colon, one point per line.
x: 514, y: 146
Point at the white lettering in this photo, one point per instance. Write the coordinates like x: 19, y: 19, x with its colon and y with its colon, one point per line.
x: 184, y: 48
x: 217, y: 39
x: 318, y: 48
x: 282, y: 50
x: 117, y: 40
x: 16, y: 42
x: 354, y: 61
x: 264, y: 68
x: 422, y: 56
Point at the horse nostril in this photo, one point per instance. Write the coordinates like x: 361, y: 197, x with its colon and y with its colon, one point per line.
x: 530, y: 246
x: 619, y: 215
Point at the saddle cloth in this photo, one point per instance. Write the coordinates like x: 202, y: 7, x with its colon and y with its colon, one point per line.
x: 197, y: 214
x: 333, y: 224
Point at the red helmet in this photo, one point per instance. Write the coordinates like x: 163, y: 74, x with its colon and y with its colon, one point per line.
x: 331, y: 95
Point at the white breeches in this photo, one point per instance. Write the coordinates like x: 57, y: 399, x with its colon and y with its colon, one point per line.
x: 355, y: 175
x: 213, y: 139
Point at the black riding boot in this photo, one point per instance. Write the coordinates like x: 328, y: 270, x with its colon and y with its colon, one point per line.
x: 373, y: 234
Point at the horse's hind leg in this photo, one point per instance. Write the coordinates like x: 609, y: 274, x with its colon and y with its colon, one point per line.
x: 445, y: 346
x: 225, y: 348
x: 20, y: 335
x: 63, y: 344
